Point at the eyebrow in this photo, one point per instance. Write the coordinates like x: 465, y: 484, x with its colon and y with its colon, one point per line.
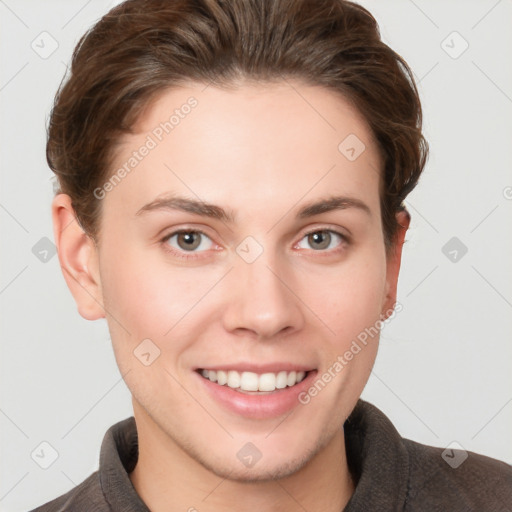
x: 216, y: 212
x: 332, y: 203
x: 190, y: 206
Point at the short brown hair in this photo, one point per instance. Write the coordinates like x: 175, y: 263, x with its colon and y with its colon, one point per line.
x: 142, y: 47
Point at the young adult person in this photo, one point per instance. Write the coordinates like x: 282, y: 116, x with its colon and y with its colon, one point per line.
x: 232, y: 176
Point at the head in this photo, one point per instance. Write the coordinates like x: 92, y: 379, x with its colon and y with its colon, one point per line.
x: 232, y: 177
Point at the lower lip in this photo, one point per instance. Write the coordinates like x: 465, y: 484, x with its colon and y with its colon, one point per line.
x: 258, y: 406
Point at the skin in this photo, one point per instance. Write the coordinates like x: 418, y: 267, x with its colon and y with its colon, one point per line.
x: 261, y: 152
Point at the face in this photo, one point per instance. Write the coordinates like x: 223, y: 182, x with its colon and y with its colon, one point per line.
x: 243, y: 247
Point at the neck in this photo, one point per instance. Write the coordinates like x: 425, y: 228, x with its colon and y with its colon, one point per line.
x: 168, y: 479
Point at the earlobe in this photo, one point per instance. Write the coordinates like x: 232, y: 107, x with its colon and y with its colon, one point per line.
x: 394, y: 259
x: 78, y: 257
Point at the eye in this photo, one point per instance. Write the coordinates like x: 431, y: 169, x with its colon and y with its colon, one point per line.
x: 189, y: 241
x: 321, y: 240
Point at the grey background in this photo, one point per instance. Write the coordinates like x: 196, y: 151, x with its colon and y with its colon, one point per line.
x: 444, y: 368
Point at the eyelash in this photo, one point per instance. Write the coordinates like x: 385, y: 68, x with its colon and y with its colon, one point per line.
x: 181, y: 254
x: 343, y: 243
x: 191, y: 255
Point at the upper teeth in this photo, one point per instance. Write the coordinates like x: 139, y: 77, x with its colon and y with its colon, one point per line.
x: 249, y: 381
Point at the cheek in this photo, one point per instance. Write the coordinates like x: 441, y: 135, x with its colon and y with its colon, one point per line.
x: 352, y: 306
x: 146, y: 298
x: 354, y: 296
x: 147, y: 294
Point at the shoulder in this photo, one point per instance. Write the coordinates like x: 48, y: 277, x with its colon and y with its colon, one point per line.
x: 110, y: 487
x: 84, y: 497
x: 394, y: 473
x: 445, y: 479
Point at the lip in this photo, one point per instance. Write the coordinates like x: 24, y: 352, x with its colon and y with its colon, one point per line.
x: 261, y: 406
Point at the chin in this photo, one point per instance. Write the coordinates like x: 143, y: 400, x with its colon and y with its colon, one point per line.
x: 260, y: 472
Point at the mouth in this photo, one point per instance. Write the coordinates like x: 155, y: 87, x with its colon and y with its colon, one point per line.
x: 254, y: 383
x: 256, y: 391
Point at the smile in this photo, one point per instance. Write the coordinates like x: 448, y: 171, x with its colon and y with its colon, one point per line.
x: 254, y: 382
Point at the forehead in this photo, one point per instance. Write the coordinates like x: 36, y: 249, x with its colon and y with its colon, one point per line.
x: 249, y: 144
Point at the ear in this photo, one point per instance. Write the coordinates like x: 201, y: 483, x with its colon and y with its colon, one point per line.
x: 78, y: 257
x: 393, y: 261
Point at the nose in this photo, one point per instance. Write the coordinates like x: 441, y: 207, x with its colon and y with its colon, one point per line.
x: 262, y: 299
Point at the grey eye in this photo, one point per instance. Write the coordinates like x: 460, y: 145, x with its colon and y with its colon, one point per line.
x: 321, y: 240
x: 190, y: 241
